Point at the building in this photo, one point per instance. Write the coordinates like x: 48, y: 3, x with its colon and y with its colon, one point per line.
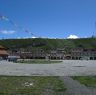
x: 83, y: 54
x: 3, y: 53
x: 77, y: 53
x: 29, y: 54
x: 56, y: 54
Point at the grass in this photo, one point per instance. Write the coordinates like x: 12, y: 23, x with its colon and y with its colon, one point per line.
x: 31, y: 86
x: 37, y: 61
x: 89, y: 81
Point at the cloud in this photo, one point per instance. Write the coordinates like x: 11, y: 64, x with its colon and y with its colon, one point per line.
x: 31, y: 37
x: 34, y: 37
x: 7, y: 32
x: 26, y: 37
x: 72, y: 37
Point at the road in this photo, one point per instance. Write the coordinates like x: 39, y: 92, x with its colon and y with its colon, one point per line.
x: 66, y: 68
x: 75, y: 88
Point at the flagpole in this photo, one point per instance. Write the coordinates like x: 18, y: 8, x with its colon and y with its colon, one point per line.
x: 93, y: 34
x: 95, y: 29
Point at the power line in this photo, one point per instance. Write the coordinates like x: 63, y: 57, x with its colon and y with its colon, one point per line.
x: 15, y: 25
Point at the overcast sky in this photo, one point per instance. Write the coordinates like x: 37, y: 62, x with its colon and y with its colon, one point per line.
x: 48, y: 18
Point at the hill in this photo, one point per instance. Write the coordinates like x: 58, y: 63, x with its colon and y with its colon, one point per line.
x: 45, y: 43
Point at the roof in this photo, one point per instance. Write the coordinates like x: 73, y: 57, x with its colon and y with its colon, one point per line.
x: 1, y: 47
x: 3, y: 52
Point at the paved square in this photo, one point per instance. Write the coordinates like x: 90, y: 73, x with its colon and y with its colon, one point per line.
x: 66, y: 68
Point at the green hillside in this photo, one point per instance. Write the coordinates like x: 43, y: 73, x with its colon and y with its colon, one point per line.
x: 48, y: 43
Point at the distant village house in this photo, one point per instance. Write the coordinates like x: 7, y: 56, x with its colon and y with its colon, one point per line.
x: 3, y: 53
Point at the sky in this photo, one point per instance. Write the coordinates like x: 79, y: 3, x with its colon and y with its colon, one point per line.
x: 48, y: 18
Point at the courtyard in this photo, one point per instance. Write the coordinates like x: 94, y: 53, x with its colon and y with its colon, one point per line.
x: 64, y: 68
